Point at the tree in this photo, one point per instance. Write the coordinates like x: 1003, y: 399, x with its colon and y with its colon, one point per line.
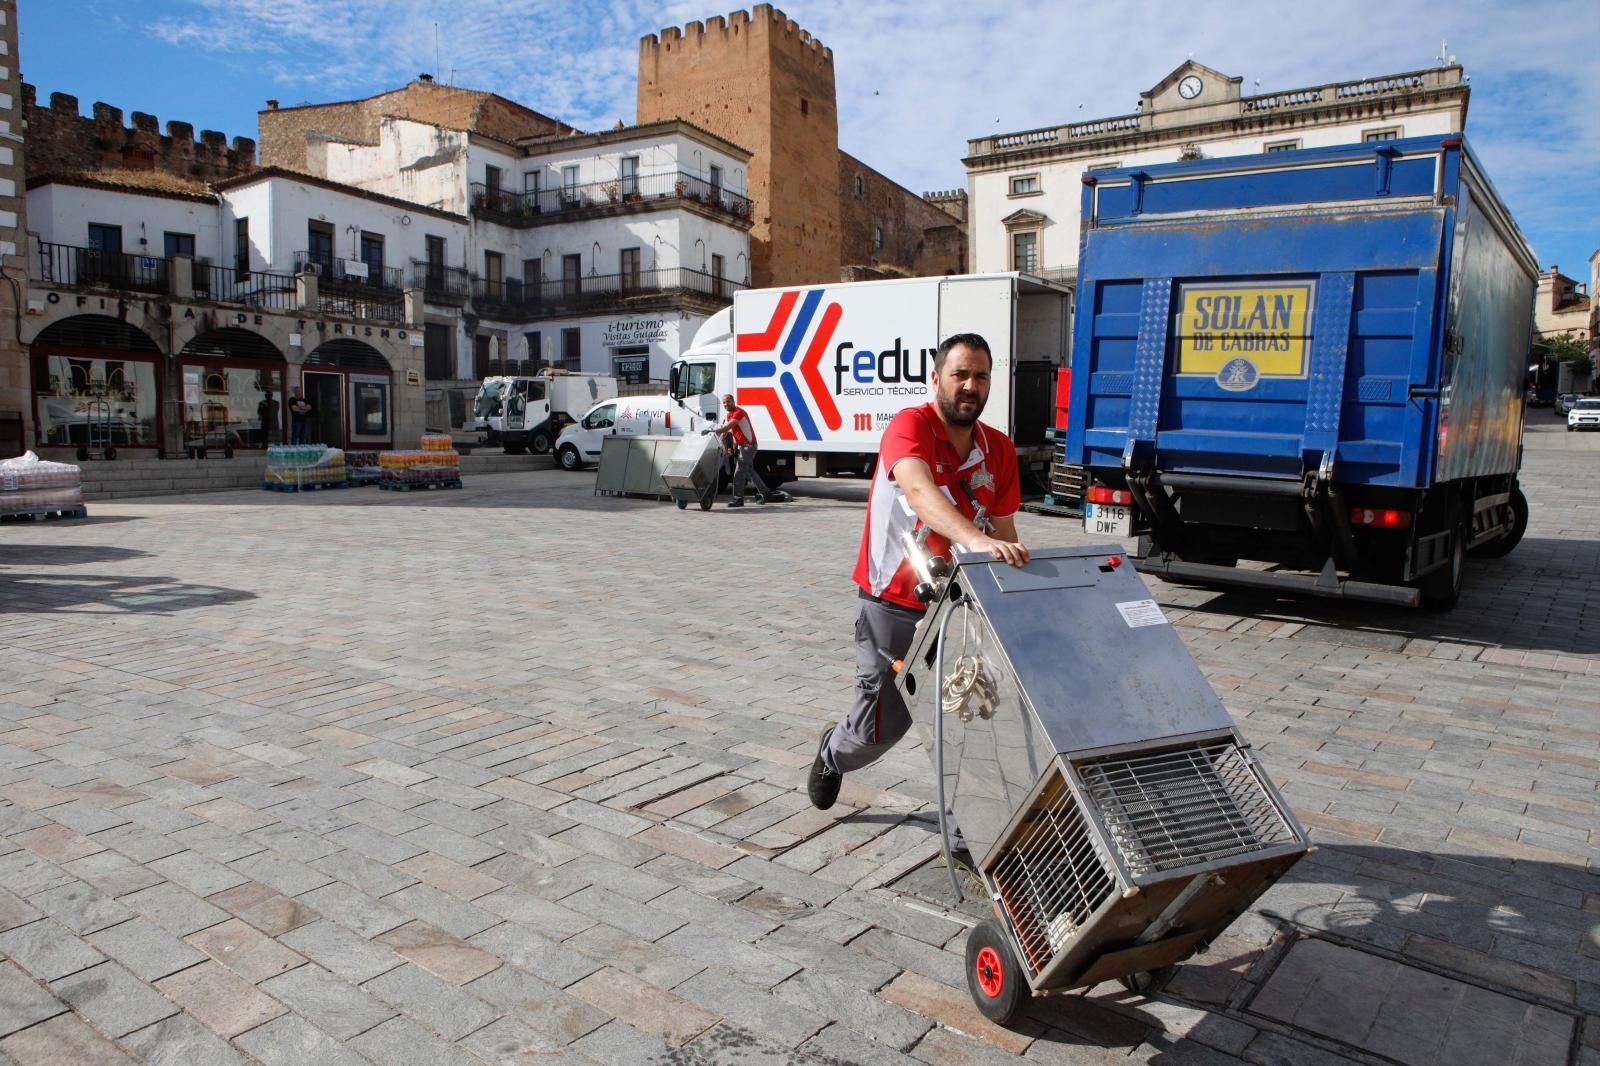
x: 1572, y: 350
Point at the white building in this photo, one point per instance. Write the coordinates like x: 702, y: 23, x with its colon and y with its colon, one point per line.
x: 1025, y: 189
x: 600, y: 252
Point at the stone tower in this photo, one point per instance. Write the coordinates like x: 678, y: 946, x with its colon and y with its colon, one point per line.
x: 765, y: 84
x: 15, y: 394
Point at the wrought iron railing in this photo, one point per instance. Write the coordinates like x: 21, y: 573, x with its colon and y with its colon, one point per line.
x: 440, y: 283
x: 515, y: 298
x: 378, y: 305
x: 66, y: 264
x: 549, y: 205
x: 257, y: 288
x: 332, y: 270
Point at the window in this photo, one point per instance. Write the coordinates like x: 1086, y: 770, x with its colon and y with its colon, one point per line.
x: 718, y: 270
x: 435, y: 254
x: 437, y: 364
x: 632, y: 365
x: 107, y: 239
x: 601, y: 417
x: 877, y: 238
x: 569, y: 185
x: 494, y: 274
x: 693, y: 379
x: 127, y: 386
x: 1025, y: 251
x: 530, y: 183
x: 533, y: 278
x: 370, y: 413
x: 535, y: 342
x: 630, y: 269
x: 241, y: 247
x: 372, y: 255
x: 571, y: 276
x: 480, y: 356
x: 1280, y: 146
x: 177, y: 244
x: 572, y: 348
x: 861, y: 187
x: 491, y: 179
x: 630, y: 175
x: 716, y: 178
x: 1024, y: 184
x: 1373, y: 136
x: 805, y: 106
x: 319, y: 245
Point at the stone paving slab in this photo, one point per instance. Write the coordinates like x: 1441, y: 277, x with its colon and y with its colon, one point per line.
x: 517, y: 775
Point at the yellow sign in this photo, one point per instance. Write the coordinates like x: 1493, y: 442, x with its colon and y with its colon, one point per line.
x: 1267, y: 325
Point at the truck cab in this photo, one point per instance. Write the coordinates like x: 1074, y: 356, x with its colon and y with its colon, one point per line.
x: 524, y: 414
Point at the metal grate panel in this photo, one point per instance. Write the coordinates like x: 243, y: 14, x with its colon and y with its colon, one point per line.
x: 1180, y: 808
x: 1051, y: 877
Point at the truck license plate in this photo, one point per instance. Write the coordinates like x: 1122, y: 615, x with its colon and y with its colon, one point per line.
x: 1107, y: 520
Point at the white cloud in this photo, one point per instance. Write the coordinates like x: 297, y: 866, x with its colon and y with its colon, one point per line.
x: 917, y: 78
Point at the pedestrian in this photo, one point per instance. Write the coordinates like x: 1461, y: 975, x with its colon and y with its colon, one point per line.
x: 738, y: 426
x: 934, y: 461
x: 300, y: 412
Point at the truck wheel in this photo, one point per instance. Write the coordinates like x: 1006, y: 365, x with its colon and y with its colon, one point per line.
x: 994, y: 978
x: 1495, y: 549
x: 569, y: 458
x: 1442, y: 588
x: 539, y: 444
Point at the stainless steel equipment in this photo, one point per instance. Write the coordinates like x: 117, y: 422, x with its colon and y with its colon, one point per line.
x: 692, y: 470
x: 1117, y: 818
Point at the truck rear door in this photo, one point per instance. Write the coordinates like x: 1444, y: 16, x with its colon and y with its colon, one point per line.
x: 1257, y: 321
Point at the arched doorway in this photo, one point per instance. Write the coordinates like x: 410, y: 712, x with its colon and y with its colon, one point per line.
x: 233, y: 391
x: 351, y: 388
x: 97, y: 379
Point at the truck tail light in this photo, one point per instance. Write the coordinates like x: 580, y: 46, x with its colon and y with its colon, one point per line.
x: 1380, y: 518
x: 1104, y: 494
x: 669, y: 421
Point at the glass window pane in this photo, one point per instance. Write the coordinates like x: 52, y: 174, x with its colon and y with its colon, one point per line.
x: 74, y: 389
x: 229, y: 406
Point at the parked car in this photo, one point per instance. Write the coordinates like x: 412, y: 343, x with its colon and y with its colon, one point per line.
x: 1585, y: 414
x: 1565, y: 401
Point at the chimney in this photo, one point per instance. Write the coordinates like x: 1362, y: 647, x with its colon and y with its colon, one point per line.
x: 425, y: 77
x: 272, y: 105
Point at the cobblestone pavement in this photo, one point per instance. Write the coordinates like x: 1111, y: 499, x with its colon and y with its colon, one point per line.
x: 515, y: 774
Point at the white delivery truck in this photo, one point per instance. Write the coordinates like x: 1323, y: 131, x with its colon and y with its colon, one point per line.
x: 822, y: 369
x: 524, y: 414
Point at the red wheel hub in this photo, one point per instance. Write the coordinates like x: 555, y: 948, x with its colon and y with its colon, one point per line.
x: 991, y: 975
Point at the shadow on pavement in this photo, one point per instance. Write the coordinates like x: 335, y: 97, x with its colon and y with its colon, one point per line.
x: 107, y: 594
x: 65, y: 554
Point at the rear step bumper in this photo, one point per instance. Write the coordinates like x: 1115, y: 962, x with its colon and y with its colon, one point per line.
x: 1278, y: 581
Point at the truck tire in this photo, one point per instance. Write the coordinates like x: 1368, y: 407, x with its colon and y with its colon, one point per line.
x: 539, y: 443
x: 1442, y: 589
x: 569, y: 458
x: 1495, y: 549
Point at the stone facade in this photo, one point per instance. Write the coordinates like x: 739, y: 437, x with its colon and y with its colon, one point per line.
x: 291, y: 137
x: 759, y: 80
x: 884, y: 224
x: 1563, y: 306
x: 61, y: 141
x: 14, y: 377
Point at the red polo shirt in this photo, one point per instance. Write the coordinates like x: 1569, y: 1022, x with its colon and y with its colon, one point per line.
x: 740, y: 426
x: 989, y: 469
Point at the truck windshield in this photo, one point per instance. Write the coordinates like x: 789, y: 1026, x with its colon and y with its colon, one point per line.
x: 693, y: 379
x: 487, y: 405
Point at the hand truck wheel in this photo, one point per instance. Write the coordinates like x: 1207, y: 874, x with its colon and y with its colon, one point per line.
x: 1150, y: 982
x: 110, y: 452
x: 683, y: 505
x: 994, y: 977
x: 83, y: 454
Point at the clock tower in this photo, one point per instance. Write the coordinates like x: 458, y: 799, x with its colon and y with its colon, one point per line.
x: 1192, y: 85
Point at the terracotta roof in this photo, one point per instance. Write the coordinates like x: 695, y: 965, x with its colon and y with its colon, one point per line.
x: 156, y: 182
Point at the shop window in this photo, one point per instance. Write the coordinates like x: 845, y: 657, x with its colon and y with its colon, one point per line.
x: 632, y: 365
x: 74, y: 389
x: 232, y: 407
x: 370, y: 416
x: 572, y: 349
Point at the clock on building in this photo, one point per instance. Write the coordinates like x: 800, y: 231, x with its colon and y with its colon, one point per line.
x: 1190, y: 87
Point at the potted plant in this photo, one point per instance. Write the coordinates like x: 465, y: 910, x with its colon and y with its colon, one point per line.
x: 610, y: 189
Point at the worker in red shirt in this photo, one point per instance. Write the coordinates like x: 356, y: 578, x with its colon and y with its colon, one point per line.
x: 737, y: 425
x: 933, y: 462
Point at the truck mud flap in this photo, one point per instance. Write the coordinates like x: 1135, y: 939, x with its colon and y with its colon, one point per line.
x: 1324, y: 585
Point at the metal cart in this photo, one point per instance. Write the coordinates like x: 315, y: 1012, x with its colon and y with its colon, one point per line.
x: 96, y: 431
x: 693, y: 469
x: 1116, y: 817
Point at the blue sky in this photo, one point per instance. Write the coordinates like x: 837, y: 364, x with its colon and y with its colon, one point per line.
x: 916, y: 78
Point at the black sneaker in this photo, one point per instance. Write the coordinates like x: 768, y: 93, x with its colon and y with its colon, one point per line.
x: 737, y: 501
x: 823, y: 784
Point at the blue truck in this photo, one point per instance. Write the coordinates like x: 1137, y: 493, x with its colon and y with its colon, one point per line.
x: 1304, y: 371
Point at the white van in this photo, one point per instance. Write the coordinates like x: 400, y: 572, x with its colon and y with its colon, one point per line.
x: 625, y: 416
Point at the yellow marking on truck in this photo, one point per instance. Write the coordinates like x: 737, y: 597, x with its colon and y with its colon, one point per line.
x: 1268, y: 325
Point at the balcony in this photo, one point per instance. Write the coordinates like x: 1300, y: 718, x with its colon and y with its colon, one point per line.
x: 335, y: 273
x: 441, y: 284
x: 519, y: 301
x: 257, y: 288
x: 569, y: 202
x: 65, y: 264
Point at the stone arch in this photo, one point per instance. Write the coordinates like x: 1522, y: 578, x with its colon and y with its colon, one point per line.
x: 232, y: 343
x: 233, y: 390
x: 100, y: 370
x: 347, y: 353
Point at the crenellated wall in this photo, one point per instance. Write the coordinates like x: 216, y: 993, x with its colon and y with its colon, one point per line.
x: 62, y: 141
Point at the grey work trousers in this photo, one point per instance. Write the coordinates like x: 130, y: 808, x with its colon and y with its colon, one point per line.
x: 878, y: 719
x: 744, y: 471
